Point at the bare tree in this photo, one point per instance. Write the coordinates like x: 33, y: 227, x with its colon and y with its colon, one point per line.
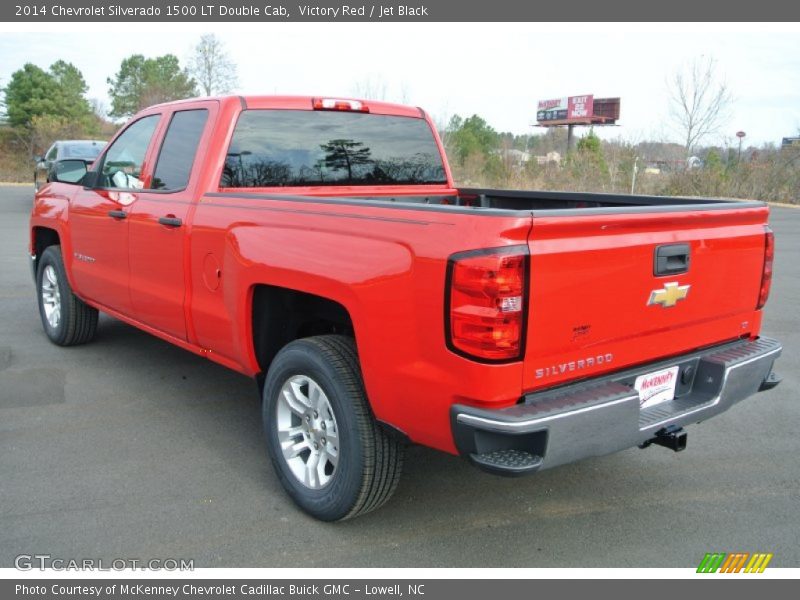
x: 211, y: 67
x: 441, y: 121
x: 374, y: 87
x: 405, y: 93
x: 370, y: 88
x: 99, y: 108
x: 699, y: 101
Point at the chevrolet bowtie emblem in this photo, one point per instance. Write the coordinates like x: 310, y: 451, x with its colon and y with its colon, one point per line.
x: 669, y: 295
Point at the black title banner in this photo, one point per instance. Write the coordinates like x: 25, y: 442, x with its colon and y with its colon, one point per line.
x: 49, y: 11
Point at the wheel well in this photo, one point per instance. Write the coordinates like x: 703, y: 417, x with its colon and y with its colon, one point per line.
x: 42, y: 238
x: 281, y: 315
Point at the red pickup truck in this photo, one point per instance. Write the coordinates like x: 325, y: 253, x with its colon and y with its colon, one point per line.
x: 320, y: 246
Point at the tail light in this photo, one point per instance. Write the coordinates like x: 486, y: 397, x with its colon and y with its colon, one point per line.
x: 339, y: 104
x: 766, y: 276
x: 486, y: 303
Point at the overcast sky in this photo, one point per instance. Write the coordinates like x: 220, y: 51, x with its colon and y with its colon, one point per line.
x: 498, y: 71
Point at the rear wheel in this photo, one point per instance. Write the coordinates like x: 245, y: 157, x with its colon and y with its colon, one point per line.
x: 332, y: 457
x: 67, y: 320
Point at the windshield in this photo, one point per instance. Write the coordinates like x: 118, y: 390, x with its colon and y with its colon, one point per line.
x: 88, y: 150
x: 273, y: 148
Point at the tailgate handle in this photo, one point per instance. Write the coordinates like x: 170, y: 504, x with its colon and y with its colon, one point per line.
x: 671, y: 259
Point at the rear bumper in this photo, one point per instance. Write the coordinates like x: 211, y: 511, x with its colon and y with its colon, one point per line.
x: 602, y: 415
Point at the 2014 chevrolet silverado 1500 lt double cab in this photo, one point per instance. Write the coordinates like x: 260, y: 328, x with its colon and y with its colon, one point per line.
x: 320, y: 246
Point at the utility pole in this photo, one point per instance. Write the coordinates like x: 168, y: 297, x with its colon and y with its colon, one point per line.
x: 740, y: 135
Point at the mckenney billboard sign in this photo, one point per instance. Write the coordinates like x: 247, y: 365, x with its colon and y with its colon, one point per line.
x: 572, y: 108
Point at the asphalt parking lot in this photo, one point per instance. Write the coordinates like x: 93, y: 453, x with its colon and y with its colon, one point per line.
x: 131, y: 448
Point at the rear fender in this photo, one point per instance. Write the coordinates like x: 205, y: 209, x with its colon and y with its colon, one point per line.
x: 369, y: 277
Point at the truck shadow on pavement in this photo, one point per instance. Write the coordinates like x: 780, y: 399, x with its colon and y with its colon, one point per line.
x: 219, y: 410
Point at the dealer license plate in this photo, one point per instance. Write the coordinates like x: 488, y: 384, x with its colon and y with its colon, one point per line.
x: 656, y: 387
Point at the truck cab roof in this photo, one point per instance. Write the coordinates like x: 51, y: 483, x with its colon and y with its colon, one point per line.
x: 256, y: 102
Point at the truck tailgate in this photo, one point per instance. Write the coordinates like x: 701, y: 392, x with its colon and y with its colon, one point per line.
x: 597, y: 304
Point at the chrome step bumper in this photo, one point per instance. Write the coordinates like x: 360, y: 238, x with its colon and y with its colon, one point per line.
x: 601, y: 416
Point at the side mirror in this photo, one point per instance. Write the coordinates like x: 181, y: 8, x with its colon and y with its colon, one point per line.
x: 38, y: 158
x: 68, y: 171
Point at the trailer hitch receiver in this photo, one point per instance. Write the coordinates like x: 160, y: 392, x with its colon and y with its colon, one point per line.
x: 672, y: 437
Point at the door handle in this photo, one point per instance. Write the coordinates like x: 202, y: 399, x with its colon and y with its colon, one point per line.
x: 117, y: 214
x: 170, y: 221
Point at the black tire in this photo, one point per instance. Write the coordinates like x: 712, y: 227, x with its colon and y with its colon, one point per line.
x: 77, y: 323
x: 370, y: 460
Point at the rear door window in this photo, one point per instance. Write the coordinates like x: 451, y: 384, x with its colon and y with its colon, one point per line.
x: 275, y: 148
x: 175, y: 160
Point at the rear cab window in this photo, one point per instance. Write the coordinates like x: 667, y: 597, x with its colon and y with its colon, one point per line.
x: 281, y: 148
x: 84, y: 150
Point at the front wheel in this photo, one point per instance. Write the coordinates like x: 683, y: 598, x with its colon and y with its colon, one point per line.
x: 67, y: 320
x: 332, y: 457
